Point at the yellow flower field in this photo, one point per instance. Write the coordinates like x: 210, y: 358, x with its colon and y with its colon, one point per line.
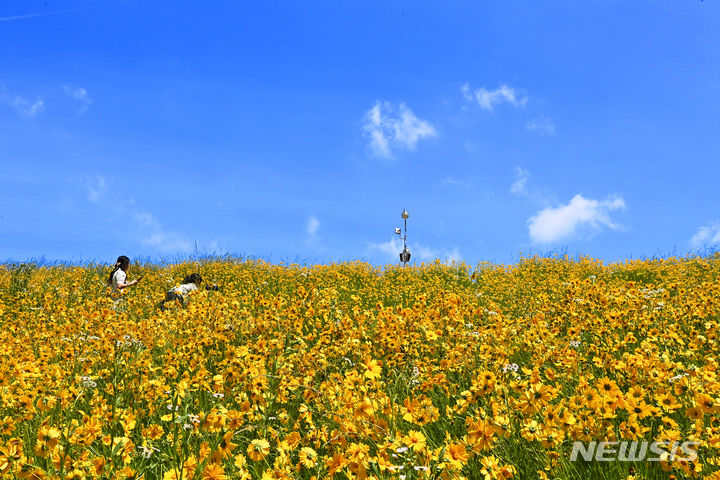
x: 352, y: 371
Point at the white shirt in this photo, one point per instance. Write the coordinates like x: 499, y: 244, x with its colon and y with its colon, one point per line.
x: 184, y: 289
x: 118, y: 277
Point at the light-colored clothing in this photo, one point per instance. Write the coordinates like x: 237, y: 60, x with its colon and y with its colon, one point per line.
x: 184, y: 289
x: 179, y: 294
x: 118, y: 277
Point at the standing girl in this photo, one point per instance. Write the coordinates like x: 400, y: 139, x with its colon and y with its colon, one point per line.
x: 118, y: 277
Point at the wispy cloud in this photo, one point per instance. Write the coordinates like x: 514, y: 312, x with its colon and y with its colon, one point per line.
x: 388, y: 127
x: 541, y: 125
x: 80, y: 95
x: 428, y: 254
x: 522, y: 187
x: 392, y: 248
x: 519, y: 186
x: 29, y: 108
x: 25, y: 107
x: 312, y: 225
x: 581, y: 217
x: 155, y: 235
x: 140, y: 224
x: 96, y: 187
x: 39, y: 14
x: 488, y: 99
x: 454, y: 182
x: 707, y: 235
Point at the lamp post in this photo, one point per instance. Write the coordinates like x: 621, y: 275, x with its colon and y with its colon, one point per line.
x: 405, y: 254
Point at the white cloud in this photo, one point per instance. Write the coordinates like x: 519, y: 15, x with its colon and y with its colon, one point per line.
x: 80, y: 95
x: 392, y: 248
x: 428, y: 254
x: 519, y: 185
x: 140, y: 224
x: 40, y: 14
x: 707, y: 235
x: 522, y: 187
x: 487, y: 99
x: 312, y: 226
x: 388, y: 127
x: 32, y: 108
x: 542, y: 125
x: 453, y: 182
x: 154, y: 235
x: 27, y: 108
x: 96, y: 188
x: 582, y: 216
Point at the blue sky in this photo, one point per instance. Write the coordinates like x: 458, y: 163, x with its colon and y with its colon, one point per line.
x: 300, y: 130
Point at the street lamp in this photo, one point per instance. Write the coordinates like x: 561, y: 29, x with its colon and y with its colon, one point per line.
x: 405, y: 254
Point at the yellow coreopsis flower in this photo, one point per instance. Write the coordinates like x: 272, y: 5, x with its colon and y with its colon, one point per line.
x: 489, y: 466
x: 480, y: 434
x: 154, y: 431
x: 173, y: 474
x: 456, y: 455
x: 213, y: 472
x: 292, y: 439
x: 335, y: 463
x: 308, y: 457
x: 667, y: 402
x: 415, y: 440
x: 49, y: 436
x: 226, y: 445
x: 705, y: 403
x: 258, y: 449
x: 373, y: 368
x: 190, y: 467
x: 531, y: 431
x: 5, y: 464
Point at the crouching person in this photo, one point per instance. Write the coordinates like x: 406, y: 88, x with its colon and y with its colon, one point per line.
x: 180, y: 293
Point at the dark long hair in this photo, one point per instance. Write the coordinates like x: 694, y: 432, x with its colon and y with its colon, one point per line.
x: 193, y: 278
x: 122, y: 262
